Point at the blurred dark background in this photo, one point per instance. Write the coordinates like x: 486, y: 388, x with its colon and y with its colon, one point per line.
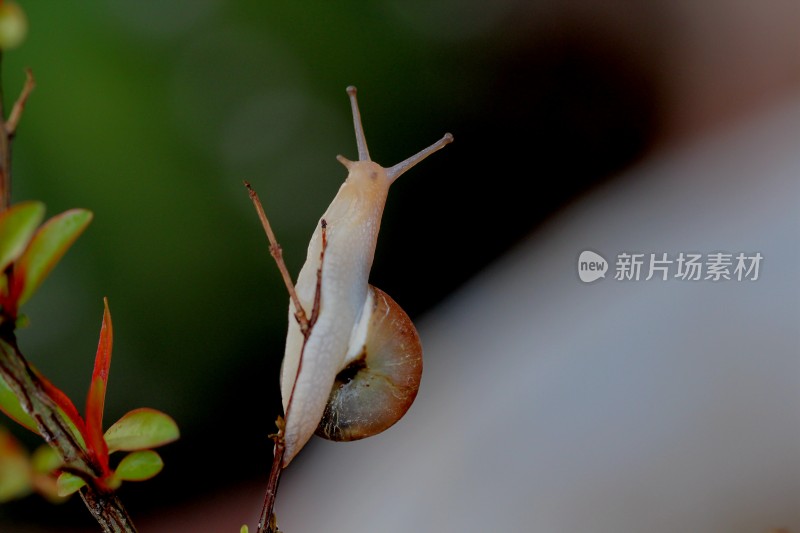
x: 152, y: 113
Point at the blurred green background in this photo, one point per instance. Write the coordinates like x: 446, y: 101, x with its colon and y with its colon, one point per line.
x: 152, y: 113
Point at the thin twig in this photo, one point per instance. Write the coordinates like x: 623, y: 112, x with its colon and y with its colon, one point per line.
x: 19, y: 105
x: 323, y: 226
x: 7, y: 130
x: 277, y: 254
x: 280, y: 445
x: 267, y: 522
x: 268, y: 519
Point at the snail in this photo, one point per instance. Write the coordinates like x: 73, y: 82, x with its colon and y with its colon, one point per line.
x: 356, y: 371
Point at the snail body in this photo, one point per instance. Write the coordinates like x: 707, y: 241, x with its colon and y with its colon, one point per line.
x: 358, y: 369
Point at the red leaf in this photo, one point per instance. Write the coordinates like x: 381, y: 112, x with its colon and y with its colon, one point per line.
x: 63, y: 402
x: 95, y: 401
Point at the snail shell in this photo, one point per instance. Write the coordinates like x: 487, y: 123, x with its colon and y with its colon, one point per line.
x: 380, y: 382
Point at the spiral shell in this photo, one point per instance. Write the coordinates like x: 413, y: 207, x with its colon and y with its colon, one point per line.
x: 381, y: 380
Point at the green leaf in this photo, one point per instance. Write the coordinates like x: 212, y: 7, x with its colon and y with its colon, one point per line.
x: 139, y: 466
x: 9, y: 404
x: 141, y: 429
x: 23, y: 321
x: 69, y: 484
x: 47, y: 247
x: 17, y: 226
x: 15, y: 471
x: 244, y: 529
x: 45, y: 459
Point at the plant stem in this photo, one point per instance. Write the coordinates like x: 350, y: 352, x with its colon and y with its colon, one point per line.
x: 277, y: 254
x: 19, y: 106
x: 268, y: 519
x: 7, y: 132
x: 24, y: 382
x: 109, y: 512
x: 106, y: 508
x: 268, y: 523
x: 30, y: 391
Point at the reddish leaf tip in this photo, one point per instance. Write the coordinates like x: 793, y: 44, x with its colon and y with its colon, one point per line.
x: 95, y: 400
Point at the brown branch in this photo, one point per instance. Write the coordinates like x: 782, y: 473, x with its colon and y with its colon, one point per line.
x: 7, y: 130
x: 19, y: 105
x: 318, y: 291
x: 277, y: 254
x: 108, y: 510
x: 268, y: 519
x: 40, y: 406
x: 267, y: 522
